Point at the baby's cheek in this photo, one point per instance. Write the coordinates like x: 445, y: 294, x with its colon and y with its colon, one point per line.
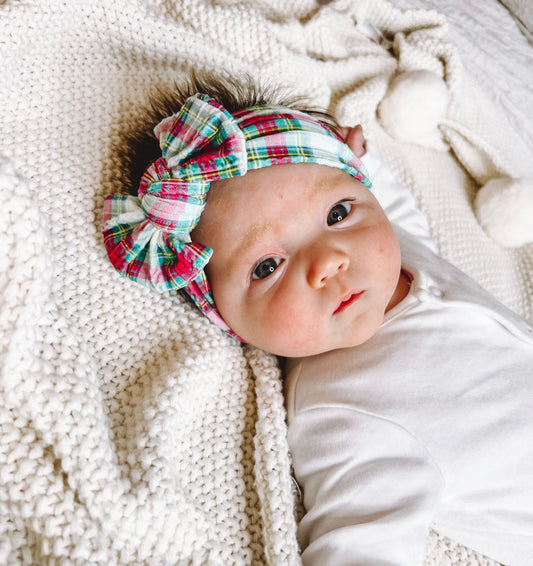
x: 291, y: 325
x: 387, y: 249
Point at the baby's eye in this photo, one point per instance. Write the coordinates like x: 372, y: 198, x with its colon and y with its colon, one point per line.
x: 266, y: 267
x: 339, y: 212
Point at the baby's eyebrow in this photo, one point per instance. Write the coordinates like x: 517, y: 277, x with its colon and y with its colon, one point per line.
x: 253, y: 236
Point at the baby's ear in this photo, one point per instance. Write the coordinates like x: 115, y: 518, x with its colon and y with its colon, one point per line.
x: 355, y: 139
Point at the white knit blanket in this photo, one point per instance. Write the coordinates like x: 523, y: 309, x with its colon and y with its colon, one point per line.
x: 132, y: 431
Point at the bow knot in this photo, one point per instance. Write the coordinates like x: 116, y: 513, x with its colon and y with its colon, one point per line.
x: 148, y: 237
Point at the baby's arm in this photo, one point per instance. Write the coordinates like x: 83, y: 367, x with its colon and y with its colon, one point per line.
x: 370, y: 489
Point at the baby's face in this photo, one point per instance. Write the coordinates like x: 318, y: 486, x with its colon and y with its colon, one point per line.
x: 304, y: 259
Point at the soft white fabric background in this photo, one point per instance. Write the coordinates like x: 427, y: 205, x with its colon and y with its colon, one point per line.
x: 131, y: 430
x: 522, y: 11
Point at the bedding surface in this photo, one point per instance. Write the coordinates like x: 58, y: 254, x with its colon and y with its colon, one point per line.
x: 132, y: 431
x: 494, y: 50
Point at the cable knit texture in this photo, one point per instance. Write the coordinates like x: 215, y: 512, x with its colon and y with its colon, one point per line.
x: 132, y: 430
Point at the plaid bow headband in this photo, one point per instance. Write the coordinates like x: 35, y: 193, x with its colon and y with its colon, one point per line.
x: 147, y: 237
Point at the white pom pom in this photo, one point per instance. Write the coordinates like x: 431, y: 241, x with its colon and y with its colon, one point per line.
x: 504, y: 208
x: 415, y: 103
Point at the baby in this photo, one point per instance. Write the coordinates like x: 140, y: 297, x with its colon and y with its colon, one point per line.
x: 409, y: 388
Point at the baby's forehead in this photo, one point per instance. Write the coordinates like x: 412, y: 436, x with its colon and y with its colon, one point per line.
x: 304, y: 180
x: 252, y: 203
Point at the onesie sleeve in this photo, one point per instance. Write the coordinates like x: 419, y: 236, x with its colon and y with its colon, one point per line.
x: 370, y: 489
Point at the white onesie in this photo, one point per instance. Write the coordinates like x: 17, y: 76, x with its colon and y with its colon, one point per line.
x: 427, y: 424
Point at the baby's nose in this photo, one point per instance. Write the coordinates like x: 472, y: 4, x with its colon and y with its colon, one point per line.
x: 326, y: 264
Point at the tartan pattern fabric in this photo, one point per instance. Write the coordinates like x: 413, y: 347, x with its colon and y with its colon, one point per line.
x: 277, y: 135
x: 147, y: 237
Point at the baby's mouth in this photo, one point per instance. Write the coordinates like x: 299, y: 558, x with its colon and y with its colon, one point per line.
x: 348, y: 301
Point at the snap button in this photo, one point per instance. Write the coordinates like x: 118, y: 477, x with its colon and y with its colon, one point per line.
x: 436, y: 292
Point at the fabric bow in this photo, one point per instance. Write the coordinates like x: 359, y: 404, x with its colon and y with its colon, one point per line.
x: 148, y: 237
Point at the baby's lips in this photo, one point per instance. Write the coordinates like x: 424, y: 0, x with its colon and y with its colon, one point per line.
x: 349, y: 300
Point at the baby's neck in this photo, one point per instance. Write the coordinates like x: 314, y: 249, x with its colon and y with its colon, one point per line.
x: 402, y: 289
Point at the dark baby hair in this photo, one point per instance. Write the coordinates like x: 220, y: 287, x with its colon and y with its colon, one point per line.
x: 139, y: 147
